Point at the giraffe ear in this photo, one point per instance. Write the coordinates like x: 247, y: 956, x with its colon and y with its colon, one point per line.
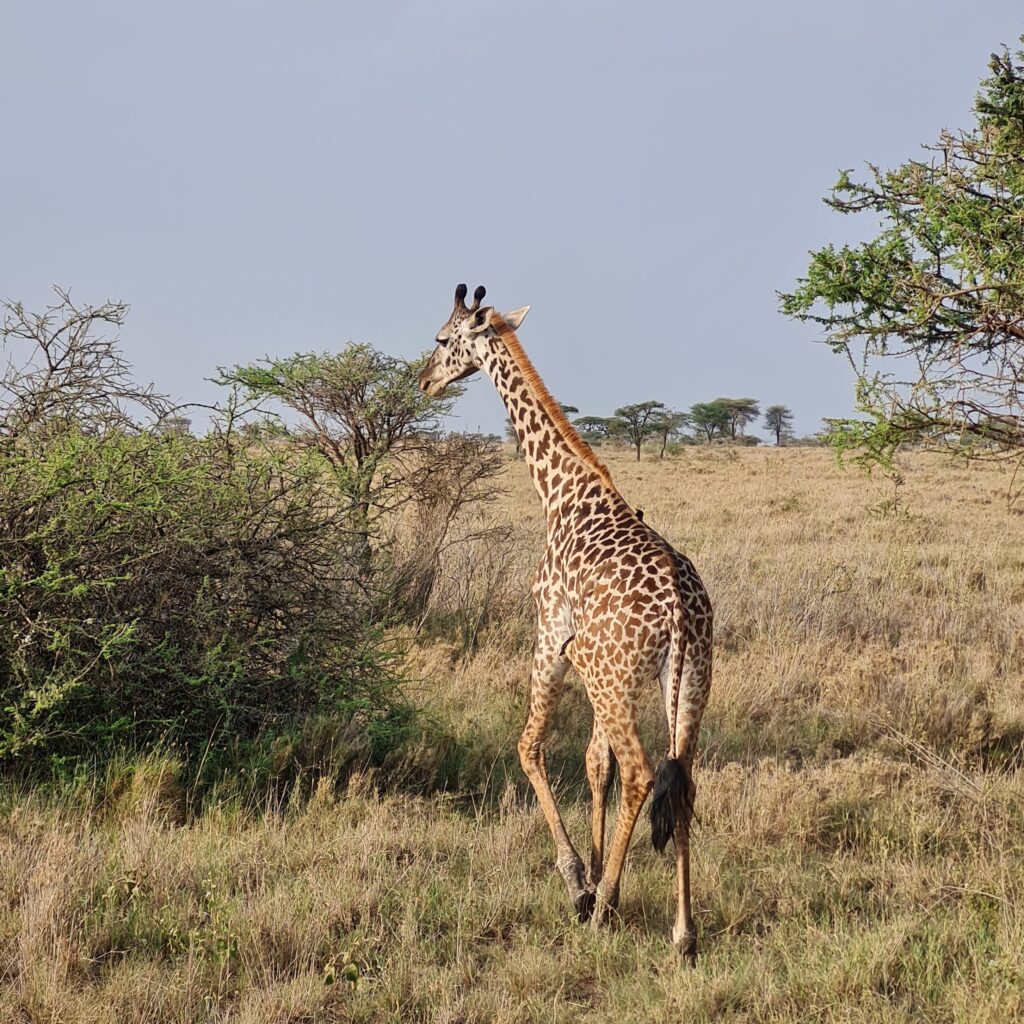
x: 516, y: 317
x: 481, y: 319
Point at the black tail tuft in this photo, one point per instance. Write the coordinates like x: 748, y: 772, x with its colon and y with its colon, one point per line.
x: 670, y: 802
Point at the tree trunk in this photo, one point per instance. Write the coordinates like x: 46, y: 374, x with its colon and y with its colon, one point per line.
x: 365, y: 546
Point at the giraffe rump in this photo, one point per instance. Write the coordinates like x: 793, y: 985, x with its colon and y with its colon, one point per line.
x: 670, y: 802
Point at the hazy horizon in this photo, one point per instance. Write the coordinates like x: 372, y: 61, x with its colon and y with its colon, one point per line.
x: 259, y: 180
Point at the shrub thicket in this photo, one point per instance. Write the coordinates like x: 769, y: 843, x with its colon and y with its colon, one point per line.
x: 161, y: 589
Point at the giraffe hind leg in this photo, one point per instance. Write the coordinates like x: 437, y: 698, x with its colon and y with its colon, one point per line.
x: 695, y: 683
x: 600, y: 773
x: 637, y: 777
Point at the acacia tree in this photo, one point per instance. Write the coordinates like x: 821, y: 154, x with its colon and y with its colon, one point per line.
x: 593, y: 428
x: 666, y: 423
x: 930, y: 312
x: 779, y: 420
x: 741, y: 412
x: 364, y: 412
x: 710, y: 418
x: 635, y: 422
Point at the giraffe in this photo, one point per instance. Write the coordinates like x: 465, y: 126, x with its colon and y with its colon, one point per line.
x: 616, y: 602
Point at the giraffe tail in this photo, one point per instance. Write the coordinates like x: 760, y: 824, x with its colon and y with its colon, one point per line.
x: 672, y: 800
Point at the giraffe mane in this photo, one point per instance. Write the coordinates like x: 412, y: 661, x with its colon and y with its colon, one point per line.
x: 533, y: 380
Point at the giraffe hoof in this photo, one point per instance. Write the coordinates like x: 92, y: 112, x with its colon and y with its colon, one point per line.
x: 584, y: 904
x: 605, y: 907
x: 686, y: 947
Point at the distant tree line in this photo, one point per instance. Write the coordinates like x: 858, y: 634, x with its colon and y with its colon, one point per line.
x: 723, y: 419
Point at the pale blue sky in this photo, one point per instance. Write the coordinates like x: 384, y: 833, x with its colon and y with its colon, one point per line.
x: 269, y: 177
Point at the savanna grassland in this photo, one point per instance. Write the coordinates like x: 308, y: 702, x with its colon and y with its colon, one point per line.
x: 859, y: 854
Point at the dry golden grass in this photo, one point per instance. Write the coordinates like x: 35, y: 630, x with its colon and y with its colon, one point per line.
x: 860, y: 852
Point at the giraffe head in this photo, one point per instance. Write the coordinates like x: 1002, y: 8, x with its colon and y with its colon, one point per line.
x: 463, y: 341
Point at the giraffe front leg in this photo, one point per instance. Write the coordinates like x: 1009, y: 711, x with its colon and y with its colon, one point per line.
x: 545, y: 689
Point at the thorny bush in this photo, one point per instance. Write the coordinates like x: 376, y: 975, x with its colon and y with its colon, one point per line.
x: 161, y: 589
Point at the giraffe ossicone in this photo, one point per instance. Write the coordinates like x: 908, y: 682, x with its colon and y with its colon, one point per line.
x: 616, y: 602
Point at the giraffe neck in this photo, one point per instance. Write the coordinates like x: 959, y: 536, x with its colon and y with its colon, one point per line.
x: 554, y: 452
